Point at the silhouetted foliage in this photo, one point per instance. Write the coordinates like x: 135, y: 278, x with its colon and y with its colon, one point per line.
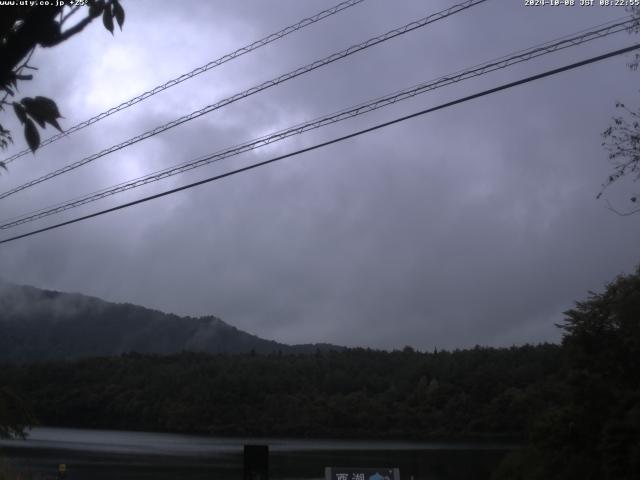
x: 622, y: 138
x: 22, y: 29
x: 592, y: 431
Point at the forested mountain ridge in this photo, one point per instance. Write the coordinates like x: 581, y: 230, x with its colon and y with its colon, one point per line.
x: 43, y: 325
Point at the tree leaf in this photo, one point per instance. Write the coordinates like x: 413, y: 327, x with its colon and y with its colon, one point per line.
x: 107, y: 19
x: 20, y: 112
x: 49, y: 105
x: 55, y: 123
x: 42, y: 110
x: 49, y: 111
x: 34, y: 112
x: 32, y: 135
x: 118, y: 12
x: 95, y: 8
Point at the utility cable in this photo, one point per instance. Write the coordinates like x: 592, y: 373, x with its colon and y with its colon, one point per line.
x: 197, y: 71
x: 381, y: 102
x: 331, y: 142
x: 251, y: 91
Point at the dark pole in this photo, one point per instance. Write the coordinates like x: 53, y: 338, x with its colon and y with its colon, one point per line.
x: 256, y: 462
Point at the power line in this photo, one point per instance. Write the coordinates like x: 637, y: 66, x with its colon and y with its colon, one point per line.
x: 197, y: 71
x: 251, y: 91
x: 331, y: 142
x: 366, y: 107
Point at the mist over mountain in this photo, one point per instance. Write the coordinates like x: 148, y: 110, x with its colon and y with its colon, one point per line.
x: 42, y: 325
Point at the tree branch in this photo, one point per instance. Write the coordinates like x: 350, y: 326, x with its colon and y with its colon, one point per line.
x: 77, y: 28
x: 36, y: 28
x: 622, y: 214
x: 64, y: 18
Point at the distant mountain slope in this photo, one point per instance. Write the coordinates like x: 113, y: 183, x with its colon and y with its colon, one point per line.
x: 41, y: 325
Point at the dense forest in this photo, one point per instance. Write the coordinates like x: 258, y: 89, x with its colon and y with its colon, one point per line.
x: 353, y: 393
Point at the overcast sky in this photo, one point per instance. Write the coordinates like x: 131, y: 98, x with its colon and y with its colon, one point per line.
x: 477, y: 224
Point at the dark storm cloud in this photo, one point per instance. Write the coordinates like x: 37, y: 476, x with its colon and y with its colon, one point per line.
x: 477, y: 224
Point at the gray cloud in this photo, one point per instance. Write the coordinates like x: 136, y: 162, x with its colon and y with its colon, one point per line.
x: 477, y: 224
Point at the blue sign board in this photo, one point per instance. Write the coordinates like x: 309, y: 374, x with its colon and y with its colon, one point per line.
x: 351, y: 473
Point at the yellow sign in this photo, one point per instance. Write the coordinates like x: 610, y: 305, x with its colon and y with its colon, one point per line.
x: 62, y: 467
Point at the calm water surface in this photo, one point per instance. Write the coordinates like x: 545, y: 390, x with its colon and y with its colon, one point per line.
x: 106, y: 454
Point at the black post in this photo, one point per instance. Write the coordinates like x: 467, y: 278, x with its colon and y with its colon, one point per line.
x: 256, y: 462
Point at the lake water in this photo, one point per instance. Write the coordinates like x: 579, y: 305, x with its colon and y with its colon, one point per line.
x: 104, y: 454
